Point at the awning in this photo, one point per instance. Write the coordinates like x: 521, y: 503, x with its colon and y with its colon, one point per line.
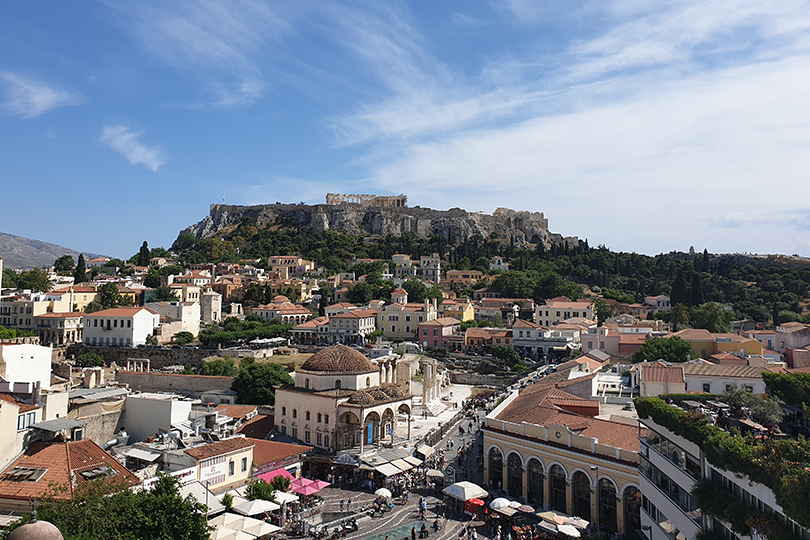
x: 268, y: 476
x: 402, y: 465
x: 434, y: 473
x: 413, y: 461
x: 386, y: 469
x: 425, y: 450
x: 145, y: 454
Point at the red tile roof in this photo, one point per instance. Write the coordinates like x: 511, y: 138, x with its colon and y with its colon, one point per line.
x: 64, y: 462
x: 269, y: 451
x: 24, y: 407
x: 235, y: 411
x: 120, y: 312
x: 219, y: 448
x: 257, y: 427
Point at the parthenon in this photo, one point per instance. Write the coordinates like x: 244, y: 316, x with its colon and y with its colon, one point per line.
x: 398, y: 201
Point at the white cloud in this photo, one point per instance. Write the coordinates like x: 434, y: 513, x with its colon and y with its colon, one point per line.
x: 218, y: 42
x: 126, y: 143
x: 29, y: 98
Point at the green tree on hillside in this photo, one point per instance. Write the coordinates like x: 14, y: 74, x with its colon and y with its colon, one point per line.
x: 255, y: 382
x: 671, y: 349
x: 143, y: 255
x: 80, y: 274
x: 64, y: 263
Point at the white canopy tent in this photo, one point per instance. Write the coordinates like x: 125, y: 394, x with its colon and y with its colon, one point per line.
x: 464, y: 491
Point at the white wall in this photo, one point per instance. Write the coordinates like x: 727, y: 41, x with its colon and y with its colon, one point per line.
x: 147, y: 414
x: 26, y: 363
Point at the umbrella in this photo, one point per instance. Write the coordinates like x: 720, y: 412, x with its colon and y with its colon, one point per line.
x: 514, y: 504
x: 548, y: 516
x: 255, y: 507
x: 526, y: 509
x: 577, y: 522
x: 464, y: 491
x: 225, y: 533
x: 559, y: 520
x: 569, y: 530
x: 268, y: 476
x: 382, y: 492
x: 309, y: 489
x: 300, y: 482
x: 499, y: 503
x: 320, y: 484
x: 549, y: 527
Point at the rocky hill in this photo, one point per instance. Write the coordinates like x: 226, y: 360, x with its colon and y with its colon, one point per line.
x: 518, y: 226
x: 20, y: 252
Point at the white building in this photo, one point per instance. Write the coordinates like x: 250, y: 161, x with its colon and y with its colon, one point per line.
x: 210, y: 307
x: 148, y: 414
x: 26, y: 363
x: 121, y: 327
x: 340, y: 400
x: 499, y: 263
x: 187, y: 313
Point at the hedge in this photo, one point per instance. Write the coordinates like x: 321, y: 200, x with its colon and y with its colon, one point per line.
x: 780, y: 465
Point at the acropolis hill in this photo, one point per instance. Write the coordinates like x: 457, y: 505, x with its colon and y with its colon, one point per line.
x: 383, y: 215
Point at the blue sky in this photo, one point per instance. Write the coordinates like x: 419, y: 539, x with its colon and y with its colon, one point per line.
x: 646, y: 126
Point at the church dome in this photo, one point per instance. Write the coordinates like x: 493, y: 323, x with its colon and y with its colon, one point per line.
x: 280, y: 299
x: 339, y: 359
x: 36, y: 530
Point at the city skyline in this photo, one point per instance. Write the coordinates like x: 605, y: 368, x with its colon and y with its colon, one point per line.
x: 646, y: 127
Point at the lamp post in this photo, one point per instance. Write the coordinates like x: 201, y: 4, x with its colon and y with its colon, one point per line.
x: 596, y: 468
x: 410, y: 419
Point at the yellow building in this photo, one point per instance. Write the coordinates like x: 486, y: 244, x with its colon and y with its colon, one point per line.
x: 294, y: 289
x: 544, y: 445
x: 463, y: 310
x: 705, y: 344
x: 224, y: 464
x: 465, y: 277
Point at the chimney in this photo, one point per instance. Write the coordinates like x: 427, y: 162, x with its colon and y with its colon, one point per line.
x: 36, y: 398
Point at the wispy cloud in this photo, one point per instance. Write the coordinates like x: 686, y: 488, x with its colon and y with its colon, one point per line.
x: 29, y: 97
x: 126, y: 143
x: 218, y: 42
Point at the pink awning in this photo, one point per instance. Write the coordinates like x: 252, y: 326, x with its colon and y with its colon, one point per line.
x: 268, y: 476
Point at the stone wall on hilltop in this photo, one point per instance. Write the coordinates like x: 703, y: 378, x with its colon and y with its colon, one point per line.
x: 520, y: 227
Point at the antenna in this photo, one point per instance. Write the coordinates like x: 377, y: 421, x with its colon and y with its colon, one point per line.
x: 223, y: 199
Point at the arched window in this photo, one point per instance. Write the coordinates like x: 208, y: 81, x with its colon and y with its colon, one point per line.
x: 319, y: 418
x: 326, y: 420
x: 495, y: 468
x: 326, y: 440
x: 284, y: 411
x: 536, y: 479
x: 307, y: 416
x: 515, y: 475
x: 632, y: 512
x: 338, y: 384
x: 407, y: 328
x: 306, y: 383
x: 582, y: 495
x: 295, y: 413
x: 368, y: 382
x: 393, y: 329
x: 557, y: 479
x: 607, y: 506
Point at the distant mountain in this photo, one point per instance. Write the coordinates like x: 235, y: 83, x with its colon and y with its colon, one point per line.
x: 19, y: 252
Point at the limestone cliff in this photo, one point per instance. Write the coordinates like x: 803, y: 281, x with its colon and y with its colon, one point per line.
x: 521, y: 227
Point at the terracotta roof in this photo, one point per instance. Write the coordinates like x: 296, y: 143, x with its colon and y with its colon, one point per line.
x: 312, y: 323
x: 219, y: 448
x: 24, y: 407
x: 662, y: 374
x: 339, y: 359
x: 235, y: 411
x: 356, y: 314
x: 69, y: 315
x: 63, y: 463
x: 695, y: 334
x: 120, y: 312
x: 257, y: 427
x: 270, y: 451
x: 723, y: 370
x: 520, y: 323
x: 442, y: 321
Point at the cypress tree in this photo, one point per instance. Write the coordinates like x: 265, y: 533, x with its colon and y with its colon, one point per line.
x: 696, y: 295
x: 81, y: 270
x: 143, y: 255
x: 678, y: 295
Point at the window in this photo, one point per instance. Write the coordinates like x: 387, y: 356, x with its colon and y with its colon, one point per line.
x: 284, y: 411
x: 306, y: 383
x: 319, y: 418
x: 129, y: 324
x: 326, y: 440
x: 424, y: 332
x: 295, y: 432
x: 307, y: 436
x: 707, y: 388
x: 244, y: 464
x: 231, y: 468
x: 407, y: 318
x: 338, y: 384
x: 368, y: 381
x: 326, y: 419
x: 435, y: 333
x: 295, y: 413
x: 284, y: 430
x: 728, y: 388
x: 307, y: 416
x: 749, y: 388
x: 319, y: 439
x: 115, y: 323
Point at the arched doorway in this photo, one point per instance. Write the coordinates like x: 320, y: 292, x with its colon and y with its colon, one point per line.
x: 632, y: 513
x: 371, y: 433
x: 582, y: 495
x: 495, y: 468
x: 607, y: 506
x: 557, y: 478
x: 536, y: 479
x: 515, y: 475
x: 348, y: 430
x: 388, y: 424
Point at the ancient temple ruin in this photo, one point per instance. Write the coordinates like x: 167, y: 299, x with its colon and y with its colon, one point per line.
x: 396, y: 201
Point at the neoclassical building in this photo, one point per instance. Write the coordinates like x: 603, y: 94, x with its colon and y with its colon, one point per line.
x: 545, y: 445
x: 341, y: 400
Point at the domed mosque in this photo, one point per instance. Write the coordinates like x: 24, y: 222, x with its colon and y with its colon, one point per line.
x: 36, y: 530
x: 342, y: 400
